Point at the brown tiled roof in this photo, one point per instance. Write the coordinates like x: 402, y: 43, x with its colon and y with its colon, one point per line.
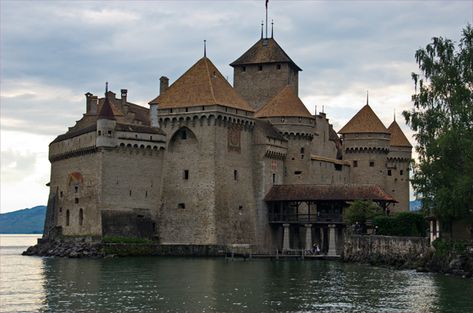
x: 285, y: 103
x: 201, y: 85
x: 106, y: 111
x: 269, y: 130
x: 265, y: 50
x: 398, y: 139
x: 365, y: 121
x: 346, y: 192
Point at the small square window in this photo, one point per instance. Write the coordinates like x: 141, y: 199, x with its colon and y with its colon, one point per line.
x: 76, y: 189
x: 260, y: 67
x: 371, y: 163
x: 181, y: 206
x: 243, y: 68
x: 401, y: 172
x: 186, y: 174
x: 110, y: 133
x: 278, y: 66
x: 76, y: 200
x: 389, y: 173
x: 355, y: 163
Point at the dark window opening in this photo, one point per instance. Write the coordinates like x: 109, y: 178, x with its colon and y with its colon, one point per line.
x: 243, y: 68
x: 187, y: 109
x: 278, y: 66
x: 60, y: 210
x: 146, y: 194
x: 203, y: 108
x: 260, y: 67
x: 297, y: 172
x: 371, y: 163
x: 240, y: 207
x: 302, y: 150
x: 129, y: 193
x: 170, y: 110
x: 67, y: 217
x: 110, y: 133
x: 235, y: 175
x: 183, y: 134
x: 181, y: 206
x: 274, y: 178
x: 61, y: 194
x: 76, y: 189
x: 186, y: 174
x: 389, y: 173
x: 76, y: 200
x: 401, y: 172
x: 355, y: 163
x: 81, y: 217
x: 338, y: 167
x: 150, y: 137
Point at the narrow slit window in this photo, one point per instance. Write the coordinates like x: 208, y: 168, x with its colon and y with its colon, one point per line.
x: 389, y: 173
x: 355, y: 163
x: 186, y: 174
x: 274, y: 178
x: 67, y: 217
x: 81, y: 217
x: 76, y: 200
x: 371, y: 163
x: 235, y: 175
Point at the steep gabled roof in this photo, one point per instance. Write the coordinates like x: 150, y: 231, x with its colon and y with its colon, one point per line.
x: 398, y: 139
x: 265, y: 50
x: 285, y: 103
x: 201, y: 85
x: 365, y: 121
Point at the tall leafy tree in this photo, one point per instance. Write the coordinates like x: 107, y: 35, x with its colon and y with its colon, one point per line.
x: 442, y: 118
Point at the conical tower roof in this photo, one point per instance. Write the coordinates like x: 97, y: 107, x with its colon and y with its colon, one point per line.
x: 201, y: 85
x: 365, y: 121
x: 265, y: 50
x: 106, y: 111
x: 398, y: 139
x: 285, y: 103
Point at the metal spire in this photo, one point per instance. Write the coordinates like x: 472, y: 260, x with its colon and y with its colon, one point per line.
x: 394, y: 114
x: 262, y: 29
x: 272, y: 28
x: 106, y: 87
x: 205, y: 48
x: 367, y: 98
x: 266, y: 5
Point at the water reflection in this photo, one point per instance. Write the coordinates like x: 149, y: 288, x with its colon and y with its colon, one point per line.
x: 31, y: 284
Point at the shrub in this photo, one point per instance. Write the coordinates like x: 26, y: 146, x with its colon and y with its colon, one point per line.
x: 360, y: 211
x: 401, y: 224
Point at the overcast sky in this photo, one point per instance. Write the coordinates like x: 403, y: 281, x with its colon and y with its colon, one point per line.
x: 53, y: 52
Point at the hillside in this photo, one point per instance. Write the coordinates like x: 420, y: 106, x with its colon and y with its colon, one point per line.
x: 26, y: 221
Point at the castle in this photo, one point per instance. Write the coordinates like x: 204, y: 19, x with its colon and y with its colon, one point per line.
x: 209, y: 164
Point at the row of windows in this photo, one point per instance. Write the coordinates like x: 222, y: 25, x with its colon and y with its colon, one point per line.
x: 186, y: 176
x: 68, y: 217
x: 260, y: 67
x: 355, y: 164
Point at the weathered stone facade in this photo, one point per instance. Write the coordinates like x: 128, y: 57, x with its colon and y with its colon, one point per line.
x: 195, y: 168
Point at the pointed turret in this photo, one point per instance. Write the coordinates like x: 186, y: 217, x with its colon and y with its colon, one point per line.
x: 398, y: 139
x: 106, y: 111
x: 201, y: 85
x: 285, y: 103
x: 365, y: 121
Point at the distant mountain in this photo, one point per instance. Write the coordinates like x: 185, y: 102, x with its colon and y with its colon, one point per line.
x: 415, y: 205
x: 26, y: 221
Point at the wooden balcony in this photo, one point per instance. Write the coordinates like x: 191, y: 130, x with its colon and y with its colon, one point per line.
x: 286, y: 218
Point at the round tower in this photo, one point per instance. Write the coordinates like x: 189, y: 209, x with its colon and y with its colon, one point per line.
x: 289, y: 115
x: 106, y: 123
x: 366, y: 145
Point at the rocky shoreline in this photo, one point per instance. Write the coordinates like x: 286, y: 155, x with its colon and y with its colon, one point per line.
x: 71, y: 249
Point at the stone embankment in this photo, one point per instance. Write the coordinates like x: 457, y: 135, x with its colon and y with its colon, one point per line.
x: 400, y: 252
x: 407, y: 253
x: 71, y: 248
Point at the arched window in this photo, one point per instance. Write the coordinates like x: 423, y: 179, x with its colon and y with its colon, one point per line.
x: 67, y: 217
x: 81, y: 217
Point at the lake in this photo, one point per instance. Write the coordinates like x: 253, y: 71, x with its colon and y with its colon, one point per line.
x: 163, y: 284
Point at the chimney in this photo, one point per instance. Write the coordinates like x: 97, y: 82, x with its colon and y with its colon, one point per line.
x: 123, y: 105
x: 163, y: 84
x: 91, y: 104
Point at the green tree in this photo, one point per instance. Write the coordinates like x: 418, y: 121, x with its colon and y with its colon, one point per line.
x: 442, y: 118
x: 360, y: 211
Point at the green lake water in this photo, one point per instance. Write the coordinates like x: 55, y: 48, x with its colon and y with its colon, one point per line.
x: 161, y: 284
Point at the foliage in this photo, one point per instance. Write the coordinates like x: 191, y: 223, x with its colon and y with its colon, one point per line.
x: 117, y: 239
x: 360, y: 211
x: 401, y: 224
x: 442, y: 118
x: 443, y: 247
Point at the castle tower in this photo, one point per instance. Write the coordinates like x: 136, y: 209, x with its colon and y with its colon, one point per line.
x: 366, y: 145
x: 106, y: 123
x: 208, y: 194
x: 263, y: 71
x: 289, y: 115
x: 399, y: 157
